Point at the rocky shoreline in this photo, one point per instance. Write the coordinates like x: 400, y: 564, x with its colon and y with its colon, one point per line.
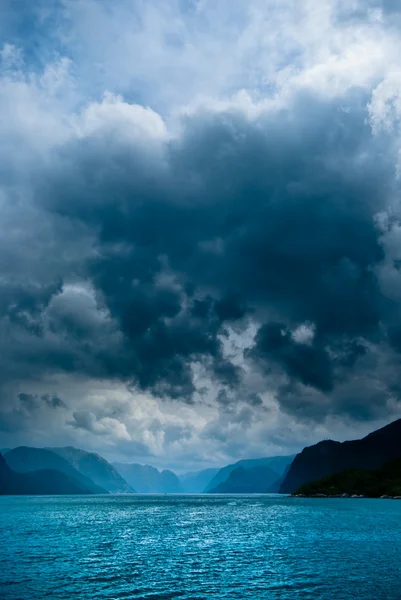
x: 345, y: 495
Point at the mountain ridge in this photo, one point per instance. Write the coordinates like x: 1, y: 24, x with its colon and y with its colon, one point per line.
x: 256, y: 480
x: 328, y: 456
x: 26, y: 459
x: 41, y: 482
x: 96, y: 468
x: 277, y: 463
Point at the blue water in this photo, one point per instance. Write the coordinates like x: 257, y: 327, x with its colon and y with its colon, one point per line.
x: 199, y: 547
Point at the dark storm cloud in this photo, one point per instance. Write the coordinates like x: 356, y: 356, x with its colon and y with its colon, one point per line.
x: 270, y: 219
x: 23, y: 303
x: 19, y: 412
x: 84, y: 419
x: 310, y: 364
x: 254, y: 400
x: 33, y: 401
x: 281, y: 212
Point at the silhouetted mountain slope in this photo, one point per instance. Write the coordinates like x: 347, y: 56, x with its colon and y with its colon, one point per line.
x: 255, y: 480
x: 45, y: 481
x: 369, y: 483
x: 149, y: 480
x: 195, y: 482
x: 276, y: 463
x: 91, y: 465
x: 328, y: 457
x: 25, y: 460
x: 275, y: 487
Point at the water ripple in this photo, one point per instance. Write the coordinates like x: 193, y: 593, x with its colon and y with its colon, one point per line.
x: 198, y: 547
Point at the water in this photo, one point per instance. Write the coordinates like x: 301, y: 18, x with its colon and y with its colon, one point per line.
x: 199, y: 547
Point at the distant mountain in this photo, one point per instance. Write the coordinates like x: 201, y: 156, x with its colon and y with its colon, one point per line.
x: 91, y: 465
x: 278, y: 464
x: 149, y: 480
x: 45, y: 481
x: 385, y: 481
x: 275, y: 488
x: 195, y: 482
x: 26, y: 460
x: 256, y: 480
x: 328, y: 457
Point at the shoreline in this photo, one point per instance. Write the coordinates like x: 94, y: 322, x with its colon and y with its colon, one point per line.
x: 345, y: 495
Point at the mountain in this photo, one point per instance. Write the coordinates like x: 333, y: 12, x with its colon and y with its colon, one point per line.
x: 91, y: 465
x: 149, y: 480
x: 385, y: 481
x: 328, y: 457
x: 45, y: 481
x: 276, y: 463
x: 275, y: 488
x: 195, y: 482
x: 26, y: 460
x: 256, y: 480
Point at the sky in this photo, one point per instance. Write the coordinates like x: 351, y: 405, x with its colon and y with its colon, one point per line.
x: 200, y: 250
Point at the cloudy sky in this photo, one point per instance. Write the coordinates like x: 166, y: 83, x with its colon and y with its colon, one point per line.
x: 200, y: 250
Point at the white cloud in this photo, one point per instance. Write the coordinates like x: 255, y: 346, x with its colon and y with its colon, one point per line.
x: 385, y: 105
x: 304, y: 334
x: 162, y: 55
x: 120, y: 119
